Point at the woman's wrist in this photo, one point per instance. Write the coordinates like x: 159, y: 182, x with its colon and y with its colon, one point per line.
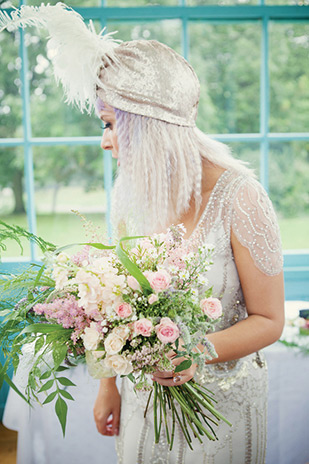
x: 107, y: 384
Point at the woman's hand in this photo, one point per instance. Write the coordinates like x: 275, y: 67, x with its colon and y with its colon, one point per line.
x: 172, y: 379
x: 106, y: 409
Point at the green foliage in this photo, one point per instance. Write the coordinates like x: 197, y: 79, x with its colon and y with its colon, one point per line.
x: 9, y: 232
x: 227, y: 59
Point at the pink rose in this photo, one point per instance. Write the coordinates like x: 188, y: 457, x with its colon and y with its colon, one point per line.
x: 167, y: 330
x: 159, y: 280
x: 211, y: 307
x: 152, y: 298
x: 132, y: 282
x: 124, y: 310
x: 143, y: 327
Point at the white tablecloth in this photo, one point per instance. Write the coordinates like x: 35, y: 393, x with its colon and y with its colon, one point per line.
x: 40, y: 438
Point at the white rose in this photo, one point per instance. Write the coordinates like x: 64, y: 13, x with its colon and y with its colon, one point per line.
x: 113, y: 343
x: 91, y: 337
x: 63, y: 258
x: 98, y: 354
x: 61, y: 277
x: 122, y: 331
x: 119, y: 364
x: 97, y: 368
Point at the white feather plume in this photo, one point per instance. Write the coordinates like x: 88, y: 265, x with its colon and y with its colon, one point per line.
x: 79, y: 52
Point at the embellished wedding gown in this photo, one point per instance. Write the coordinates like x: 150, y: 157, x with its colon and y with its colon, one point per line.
x: 237, y: 203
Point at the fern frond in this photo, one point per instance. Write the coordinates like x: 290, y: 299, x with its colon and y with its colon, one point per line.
x: 13, y: 232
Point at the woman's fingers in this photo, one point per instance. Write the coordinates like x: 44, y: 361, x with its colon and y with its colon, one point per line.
x: 115, y: 422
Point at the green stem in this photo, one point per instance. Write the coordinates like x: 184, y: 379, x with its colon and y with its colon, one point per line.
x: 186, y: 409
x: 155, y: 417
x: 207, y: 405
x: 147, y: 405
x: 163, y: 402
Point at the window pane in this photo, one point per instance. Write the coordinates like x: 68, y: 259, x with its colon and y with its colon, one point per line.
x: 221, y: 2
x: 226, y: 58
x: 248, y: 152
x: 167, y: 31
x: 10, y: 3
x: 50, y: 115
x: 68, y: 178
x: 71, y: 3
x: 10, y: 83
x: 12, y: 196
x: 287, y: 2
x: 129, y: 3
x: 288, y: 186
x: 289, y: 79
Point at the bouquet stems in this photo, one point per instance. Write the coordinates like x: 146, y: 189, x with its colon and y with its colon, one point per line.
x: 188, y: 404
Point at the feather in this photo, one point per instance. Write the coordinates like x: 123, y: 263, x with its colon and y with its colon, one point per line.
x: 78, y: 51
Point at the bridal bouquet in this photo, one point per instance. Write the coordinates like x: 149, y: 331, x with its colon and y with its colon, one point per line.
x: 123, y: 310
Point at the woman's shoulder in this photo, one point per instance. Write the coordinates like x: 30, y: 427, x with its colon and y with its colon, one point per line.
x: 254, y: 223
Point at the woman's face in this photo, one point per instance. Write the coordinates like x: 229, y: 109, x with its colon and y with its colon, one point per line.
x: 109, y: 139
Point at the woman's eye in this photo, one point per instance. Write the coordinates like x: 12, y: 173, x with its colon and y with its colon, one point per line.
x: 108, y: 125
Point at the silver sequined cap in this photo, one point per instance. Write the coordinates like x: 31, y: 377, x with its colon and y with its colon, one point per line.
x: 151, y: 79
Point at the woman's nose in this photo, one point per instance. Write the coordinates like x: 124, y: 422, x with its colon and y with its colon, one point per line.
x: 106, y: 143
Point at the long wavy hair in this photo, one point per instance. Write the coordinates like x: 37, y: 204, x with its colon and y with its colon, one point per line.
x: 161, y: 171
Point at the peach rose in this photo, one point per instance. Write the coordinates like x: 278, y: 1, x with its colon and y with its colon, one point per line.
x: 124, y: 310
x: 132, y: 282
x: 143, y: 327
x: 159, y: 280
x: 211, y: 307
x: 167, y: 330
x: 152, y: 298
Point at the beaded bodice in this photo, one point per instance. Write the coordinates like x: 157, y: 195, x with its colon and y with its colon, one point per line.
x: 239, y: 203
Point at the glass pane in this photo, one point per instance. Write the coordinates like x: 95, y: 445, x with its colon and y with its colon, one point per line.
x: 167, y: 31
x: 287, y: 2
x: 289, y: 79
x: 248, y: 152
x: 288, y: 186
x: 71, y: 3
x: 12, y: 196
x: 50, y: 115
x: 10, y: 83
x: 130, y: 3
x: 68, y: 178
x: 221, y: 2
x: 9, y: 3
x: 227, y: 59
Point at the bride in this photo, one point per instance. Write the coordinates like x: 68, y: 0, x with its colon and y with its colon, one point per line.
x: 169, y: 172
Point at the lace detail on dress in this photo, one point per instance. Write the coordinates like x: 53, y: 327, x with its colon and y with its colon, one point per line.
x: 255, y: 225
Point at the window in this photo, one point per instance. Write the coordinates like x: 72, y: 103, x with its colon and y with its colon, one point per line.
x: 251, y: 61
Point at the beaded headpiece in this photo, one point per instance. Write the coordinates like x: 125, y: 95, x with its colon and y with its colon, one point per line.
x: 141, y: 77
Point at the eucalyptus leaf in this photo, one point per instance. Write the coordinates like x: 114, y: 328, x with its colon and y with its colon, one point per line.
x: 61, y: 409
x: 66, y: 395
x: 47, y: 385
x: 66, y: 382
x: 62, y: 368
x: 50, y: 397
x: 183, y: 365
x: 38, y: 345
x: 59, y: 353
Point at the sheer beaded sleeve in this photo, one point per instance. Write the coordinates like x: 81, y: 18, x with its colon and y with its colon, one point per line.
x: 255, y: 225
